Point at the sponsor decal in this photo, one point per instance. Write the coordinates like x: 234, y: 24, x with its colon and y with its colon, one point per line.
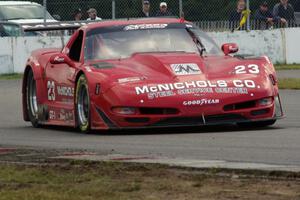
x: 88, y: 69
x: 232, y: 48
x: 249, y: 69
x: 195, y: 91
x: 201, y: 102
x: 129, y: 79
x: 61, y: 115
x: 196, y: 87
x: 66, y: 115
x: 154, y: 95
x: 58, y: 59
x: 61, y: 91
x: 52, y: 115
x: 186, y: 69
x: 145, y: 26
x: 51, y: 90
x: 65, y: 91
x: 231, y: 90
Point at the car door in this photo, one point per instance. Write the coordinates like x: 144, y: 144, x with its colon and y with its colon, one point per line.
x: 60, y: 82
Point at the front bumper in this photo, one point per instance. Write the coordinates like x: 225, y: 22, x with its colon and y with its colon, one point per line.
x: 201, y: 117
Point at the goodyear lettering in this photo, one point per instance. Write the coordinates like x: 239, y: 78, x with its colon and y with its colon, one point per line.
x: 201, y: 102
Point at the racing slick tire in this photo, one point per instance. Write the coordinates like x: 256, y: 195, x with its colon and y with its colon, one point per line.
x: 31, y: 100
x: 258, y: 124
x: 82, y: 102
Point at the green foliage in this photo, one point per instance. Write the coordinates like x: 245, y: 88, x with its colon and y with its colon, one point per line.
x: 287, y: 67
x: 289, y: 83
x: 10, y: 76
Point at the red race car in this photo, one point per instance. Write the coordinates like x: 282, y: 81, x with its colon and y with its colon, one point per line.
x: 158, y: 72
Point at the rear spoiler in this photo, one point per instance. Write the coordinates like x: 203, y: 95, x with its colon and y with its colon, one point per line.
x: 60, y: 28
x: 54, y: 26
x: 67, y: 25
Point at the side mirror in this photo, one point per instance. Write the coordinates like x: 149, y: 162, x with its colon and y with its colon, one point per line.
x: 61, y: 59
x: 230, y: 48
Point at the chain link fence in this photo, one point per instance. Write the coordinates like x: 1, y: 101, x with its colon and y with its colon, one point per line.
x: 212, y: 15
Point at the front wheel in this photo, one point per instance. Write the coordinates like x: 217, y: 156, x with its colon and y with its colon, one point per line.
x: 258, y: 124
x: 82, y: 104
x: 31, y: 99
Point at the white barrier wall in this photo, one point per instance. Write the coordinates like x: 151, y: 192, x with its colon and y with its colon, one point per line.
x: 292, y: 45
x: 281, y: 45
x: 267, y: 42
x: 14, y: 51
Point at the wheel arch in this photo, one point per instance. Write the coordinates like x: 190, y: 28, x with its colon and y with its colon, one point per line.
x: 37, y: 75
x: 28, y: 68
x: 80, y: 73
x: 96, y: 121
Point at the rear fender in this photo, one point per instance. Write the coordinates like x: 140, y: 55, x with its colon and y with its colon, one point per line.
x: 271, y: 74
x: 38, y: 74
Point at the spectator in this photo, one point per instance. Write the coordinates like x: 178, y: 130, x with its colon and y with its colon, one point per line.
x: 284, y: 12
x: 264, y: 17
x: 77, y: 15
x: 163, y: 10
x: 297, y: 6
x: 146, y: 9
x: 92, y: 12
x: 236, y: 16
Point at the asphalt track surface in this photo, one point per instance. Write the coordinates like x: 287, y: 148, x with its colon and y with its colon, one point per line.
x: 279, y: 144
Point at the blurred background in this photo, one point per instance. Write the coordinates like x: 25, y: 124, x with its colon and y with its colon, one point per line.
x: 207, y: 14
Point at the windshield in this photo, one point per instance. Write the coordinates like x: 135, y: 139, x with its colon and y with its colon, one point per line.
x: 14, y: 12
x: 10, y: 30
x: 124, y: 43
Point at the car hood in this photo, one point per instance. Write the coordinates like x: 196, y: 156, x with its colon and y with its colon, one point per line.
x: 174, y: 67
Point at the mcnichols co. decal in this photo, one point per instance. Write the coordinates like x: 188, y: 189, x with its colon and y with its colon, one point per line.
x: 196, y: 87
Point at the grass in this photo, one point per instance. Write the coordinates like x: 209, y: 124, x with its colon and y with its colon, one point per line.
x: 109, y: 180
x: 289, y: 83
x: 11, y: 76
x: 287, y: 67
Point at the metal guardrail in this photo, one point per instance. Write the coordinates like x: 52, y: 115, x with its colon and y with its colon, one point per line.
x: 68, y: 27
x: 203, y: 25
x: 297, y: 16
x: 212, y: 15
x: 226, y: 25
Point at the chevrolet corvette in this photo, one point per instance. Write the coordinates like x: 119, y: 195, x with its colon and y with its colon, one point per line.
x: 156, y: 72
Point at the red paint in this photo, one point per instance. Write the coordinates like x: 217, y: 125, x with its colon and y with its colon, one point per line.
x: 7, y: 150
x: 153, y: 69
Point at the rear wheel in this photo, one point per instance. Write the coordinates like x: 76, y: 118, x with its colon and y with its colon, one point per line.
x: 82, y: 105
x: 258, y: 124
x: 31, y: 100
